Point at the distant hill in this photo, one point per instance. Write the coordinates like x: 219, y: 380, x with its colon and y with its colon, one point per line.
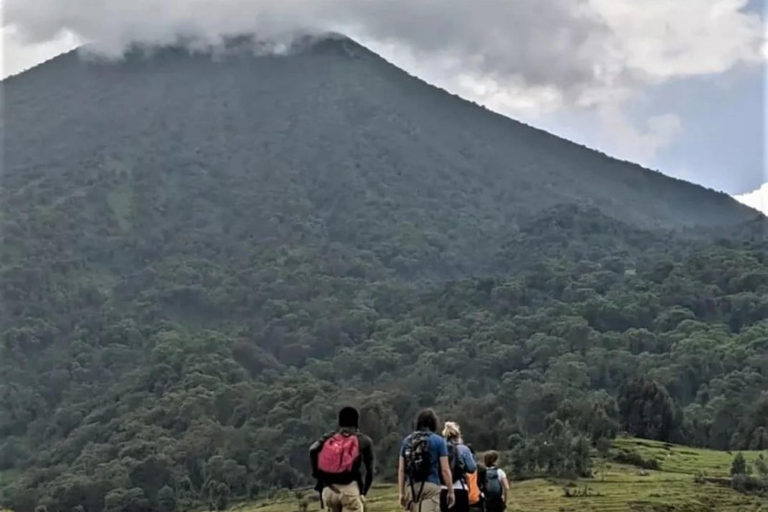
x: 200, y: 258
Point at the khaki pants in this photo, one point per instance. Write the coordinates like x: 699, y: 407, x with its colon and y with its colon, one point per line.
x: 429, y: 499
x: 343, y: 498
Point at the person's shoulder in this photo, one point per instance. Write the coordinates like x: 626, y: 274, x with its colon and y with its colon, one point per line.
x: 436, y: 438
x: 438, y: 442
x: 365, y: 439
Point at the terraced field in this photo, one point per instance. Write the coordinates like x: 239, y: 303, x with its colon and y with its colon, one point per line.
x: 682, y: 459
x: 614, y: 488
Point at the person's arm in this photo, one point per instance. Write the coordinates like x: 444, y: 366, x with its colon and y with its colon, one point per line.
x: 504, y: 487
x: 401, y: 480
x: 469, y: 460
x: 445, y: 470
x: 368, y: 462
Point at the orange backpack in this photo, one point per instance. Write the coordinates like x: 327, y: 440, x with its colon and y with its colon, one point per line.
x: 473, y: 489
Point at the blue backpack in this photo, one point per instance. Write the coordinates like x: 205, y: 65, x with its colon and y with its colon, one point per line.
x: 456, y: 462
x: 493, y: 489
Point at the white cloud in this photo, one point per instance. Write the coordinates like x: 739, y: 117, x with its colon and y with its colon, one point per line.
x: 574, y: 46
x: 17, y: 56
x: 757, y: 199
x: 638, y: 144
x: 670, y: 39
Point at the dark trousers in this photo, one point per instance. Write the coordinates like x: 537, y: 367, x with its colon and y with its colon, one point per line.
x: 495, y: 506
x: 462, y: 501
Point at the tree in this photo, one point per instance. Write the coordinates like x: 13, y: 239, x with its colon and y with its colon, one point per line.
x: 739, y: 465
x: 648, y: 411
x: 166, y: 499
x: 222, y: 496
x: 761, y: 467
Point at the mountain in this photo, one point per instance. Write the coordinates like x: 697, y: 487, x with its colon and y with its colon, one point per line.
x: 201, y: 257
x: 331, y: 144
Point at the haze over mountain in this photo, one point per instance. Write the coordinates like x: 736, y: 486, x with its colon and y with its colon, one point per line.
x: 202, y: 255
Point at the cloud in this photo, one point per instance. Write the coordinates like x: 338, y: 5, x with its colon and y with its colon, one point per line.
x: 520, y: 57
x: 16, y: 56
x: 638, y: 144
x: 662, y: 39
x: 757, y: 199
x: 573, y: 46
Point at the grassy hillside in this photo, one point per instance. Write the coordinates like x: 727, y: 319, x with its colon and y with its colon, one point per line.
x: 614, y: 488
x: 683, y: 460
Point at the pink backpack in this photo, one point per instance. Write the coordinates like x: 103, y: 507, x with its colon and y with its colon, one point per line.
x: 338, y: 454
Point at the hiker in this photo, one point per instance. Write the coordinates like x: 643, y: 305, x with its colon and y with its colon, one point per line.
x: 337, y: 460
x: 423, y: 462
x: 475, y: 495
x: 496, y: 485
x: 462, y: 463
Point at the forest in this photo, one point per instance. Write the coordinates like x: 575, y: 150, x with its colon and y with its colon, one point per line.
x: 153, y: 399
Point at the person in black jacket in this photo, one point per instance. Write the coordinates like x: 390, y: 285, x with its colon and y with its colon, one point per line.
x: 345, y: 492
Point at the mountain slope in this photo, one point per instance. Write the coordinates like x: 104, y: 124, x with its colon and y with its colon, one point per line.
x: 331, y: 144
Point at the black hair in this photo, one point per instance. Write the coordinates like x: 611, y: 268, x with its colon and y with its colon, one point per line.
x: 427, y: 420
x: 349, y: 418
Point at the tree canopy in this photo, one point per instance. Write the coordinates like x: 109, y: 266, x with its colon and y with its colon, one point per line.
x: 125, y: 404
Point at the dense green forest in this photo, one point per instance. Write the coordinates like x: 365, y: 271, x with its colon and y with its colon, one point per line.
x: 190, y: 294
x: 144, y: 397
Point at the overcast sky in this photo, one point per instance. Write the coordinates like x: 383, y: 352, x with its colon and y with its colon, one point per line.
x: 676, y: 85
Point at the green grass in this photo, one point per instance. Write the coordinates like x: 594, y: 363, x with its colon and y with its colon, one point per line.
x: 614, y: 488
x: 682, y: 459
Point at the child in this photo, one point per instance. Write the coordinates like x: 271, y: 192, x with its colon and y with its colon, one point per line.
x: 496, y: 488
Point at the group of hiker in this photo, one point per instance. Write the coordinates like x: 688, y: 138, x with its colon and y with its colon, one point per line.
x: 436, y: 473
